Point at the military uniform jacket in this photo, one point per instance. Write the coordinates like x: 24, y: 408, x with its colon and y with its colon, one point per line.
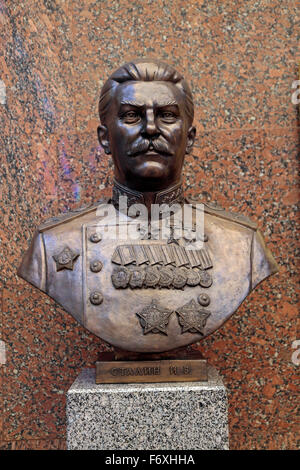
x: 147, y: 295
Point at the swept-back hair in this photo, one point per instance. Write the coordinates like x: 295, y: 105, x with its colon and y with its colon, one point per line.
x: 144, y: 70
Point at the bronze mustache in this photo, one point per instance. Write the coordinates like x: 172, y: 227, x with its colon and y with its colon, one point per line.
x: 143, y: 145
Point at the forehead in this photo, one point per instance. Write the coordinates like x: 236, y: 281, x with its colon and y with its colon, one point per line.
x: 149, y: 93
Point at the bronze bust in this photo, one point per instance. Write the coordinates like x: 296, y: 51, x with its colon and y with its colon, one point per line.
x: 146, y: 292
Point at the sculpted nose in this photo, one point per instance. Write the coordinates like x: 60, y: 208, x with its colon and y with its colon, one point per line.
x: 150, y: 125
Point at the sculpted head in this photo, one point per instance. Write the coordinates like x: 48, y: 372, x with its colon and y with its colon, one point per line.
x: 146, y: 111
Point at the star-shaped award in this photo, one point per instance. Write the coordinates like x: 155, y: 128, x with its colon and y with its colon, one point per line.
x: 172, y: 238
x: 154, y: 319
x: 192, y: 317
x: 65, y: 259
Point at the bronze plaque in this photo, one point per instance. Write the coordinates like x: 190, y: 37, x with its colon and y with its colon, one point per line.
x: 179, y: 370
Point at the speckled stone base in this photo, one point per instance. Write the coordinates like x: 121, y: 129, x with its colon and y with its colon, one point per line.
x: 147, y: 416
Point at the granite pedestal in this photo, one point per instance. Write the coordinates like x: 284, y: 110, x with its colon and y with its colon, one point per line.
x: 167, y: 416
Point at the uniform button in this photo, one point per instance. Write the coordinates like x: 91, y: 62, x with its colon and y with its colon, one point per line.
x: 95, y: 237
x: 96, y: 298
x: 96, y: 266
x: 204, y: 300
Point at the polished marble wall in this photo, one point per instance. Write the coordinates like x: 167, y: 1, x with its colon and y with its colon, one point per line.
x: 241, y: 58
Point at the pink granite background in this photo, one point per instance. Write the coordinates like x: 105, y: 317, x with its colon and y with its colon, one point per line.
x: 241, y: 58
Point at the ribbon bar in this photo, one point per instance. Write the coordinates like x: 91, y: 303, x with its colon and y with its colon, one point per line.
x: 161, y: 254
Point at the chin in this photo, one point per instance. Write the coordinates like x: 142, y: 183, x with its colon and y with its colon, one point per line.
x: 151, y: 170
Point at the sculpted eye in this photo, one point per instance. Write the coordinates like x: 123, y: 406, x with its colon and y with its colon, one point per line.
x: 168, y: 116
x: 130, y: 117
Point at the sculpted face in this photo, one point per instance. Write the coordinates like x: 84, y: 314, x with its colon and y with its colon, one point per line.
x: 148, y: 134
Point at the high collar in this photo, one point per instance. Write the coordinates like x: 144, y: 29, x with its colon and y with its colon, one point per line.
x: 170, y: 196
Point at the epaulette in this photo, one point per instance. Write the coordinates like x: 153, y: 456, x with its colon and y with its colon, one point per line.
x: 71, y: 215
x: 218, y: 211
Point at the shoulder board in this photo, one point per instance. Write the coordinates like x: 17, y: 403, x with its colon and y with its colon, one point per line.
x: 218, y: 211
x: 71, y: 215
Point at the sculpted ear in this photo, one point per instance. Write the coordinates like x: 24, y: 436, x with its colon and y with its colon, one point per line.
x: 103, y: 138
x: 190, y: 139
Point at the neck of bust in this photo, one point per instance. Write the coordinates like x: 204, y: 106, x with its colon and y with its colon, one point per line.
x: 171, y: 195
